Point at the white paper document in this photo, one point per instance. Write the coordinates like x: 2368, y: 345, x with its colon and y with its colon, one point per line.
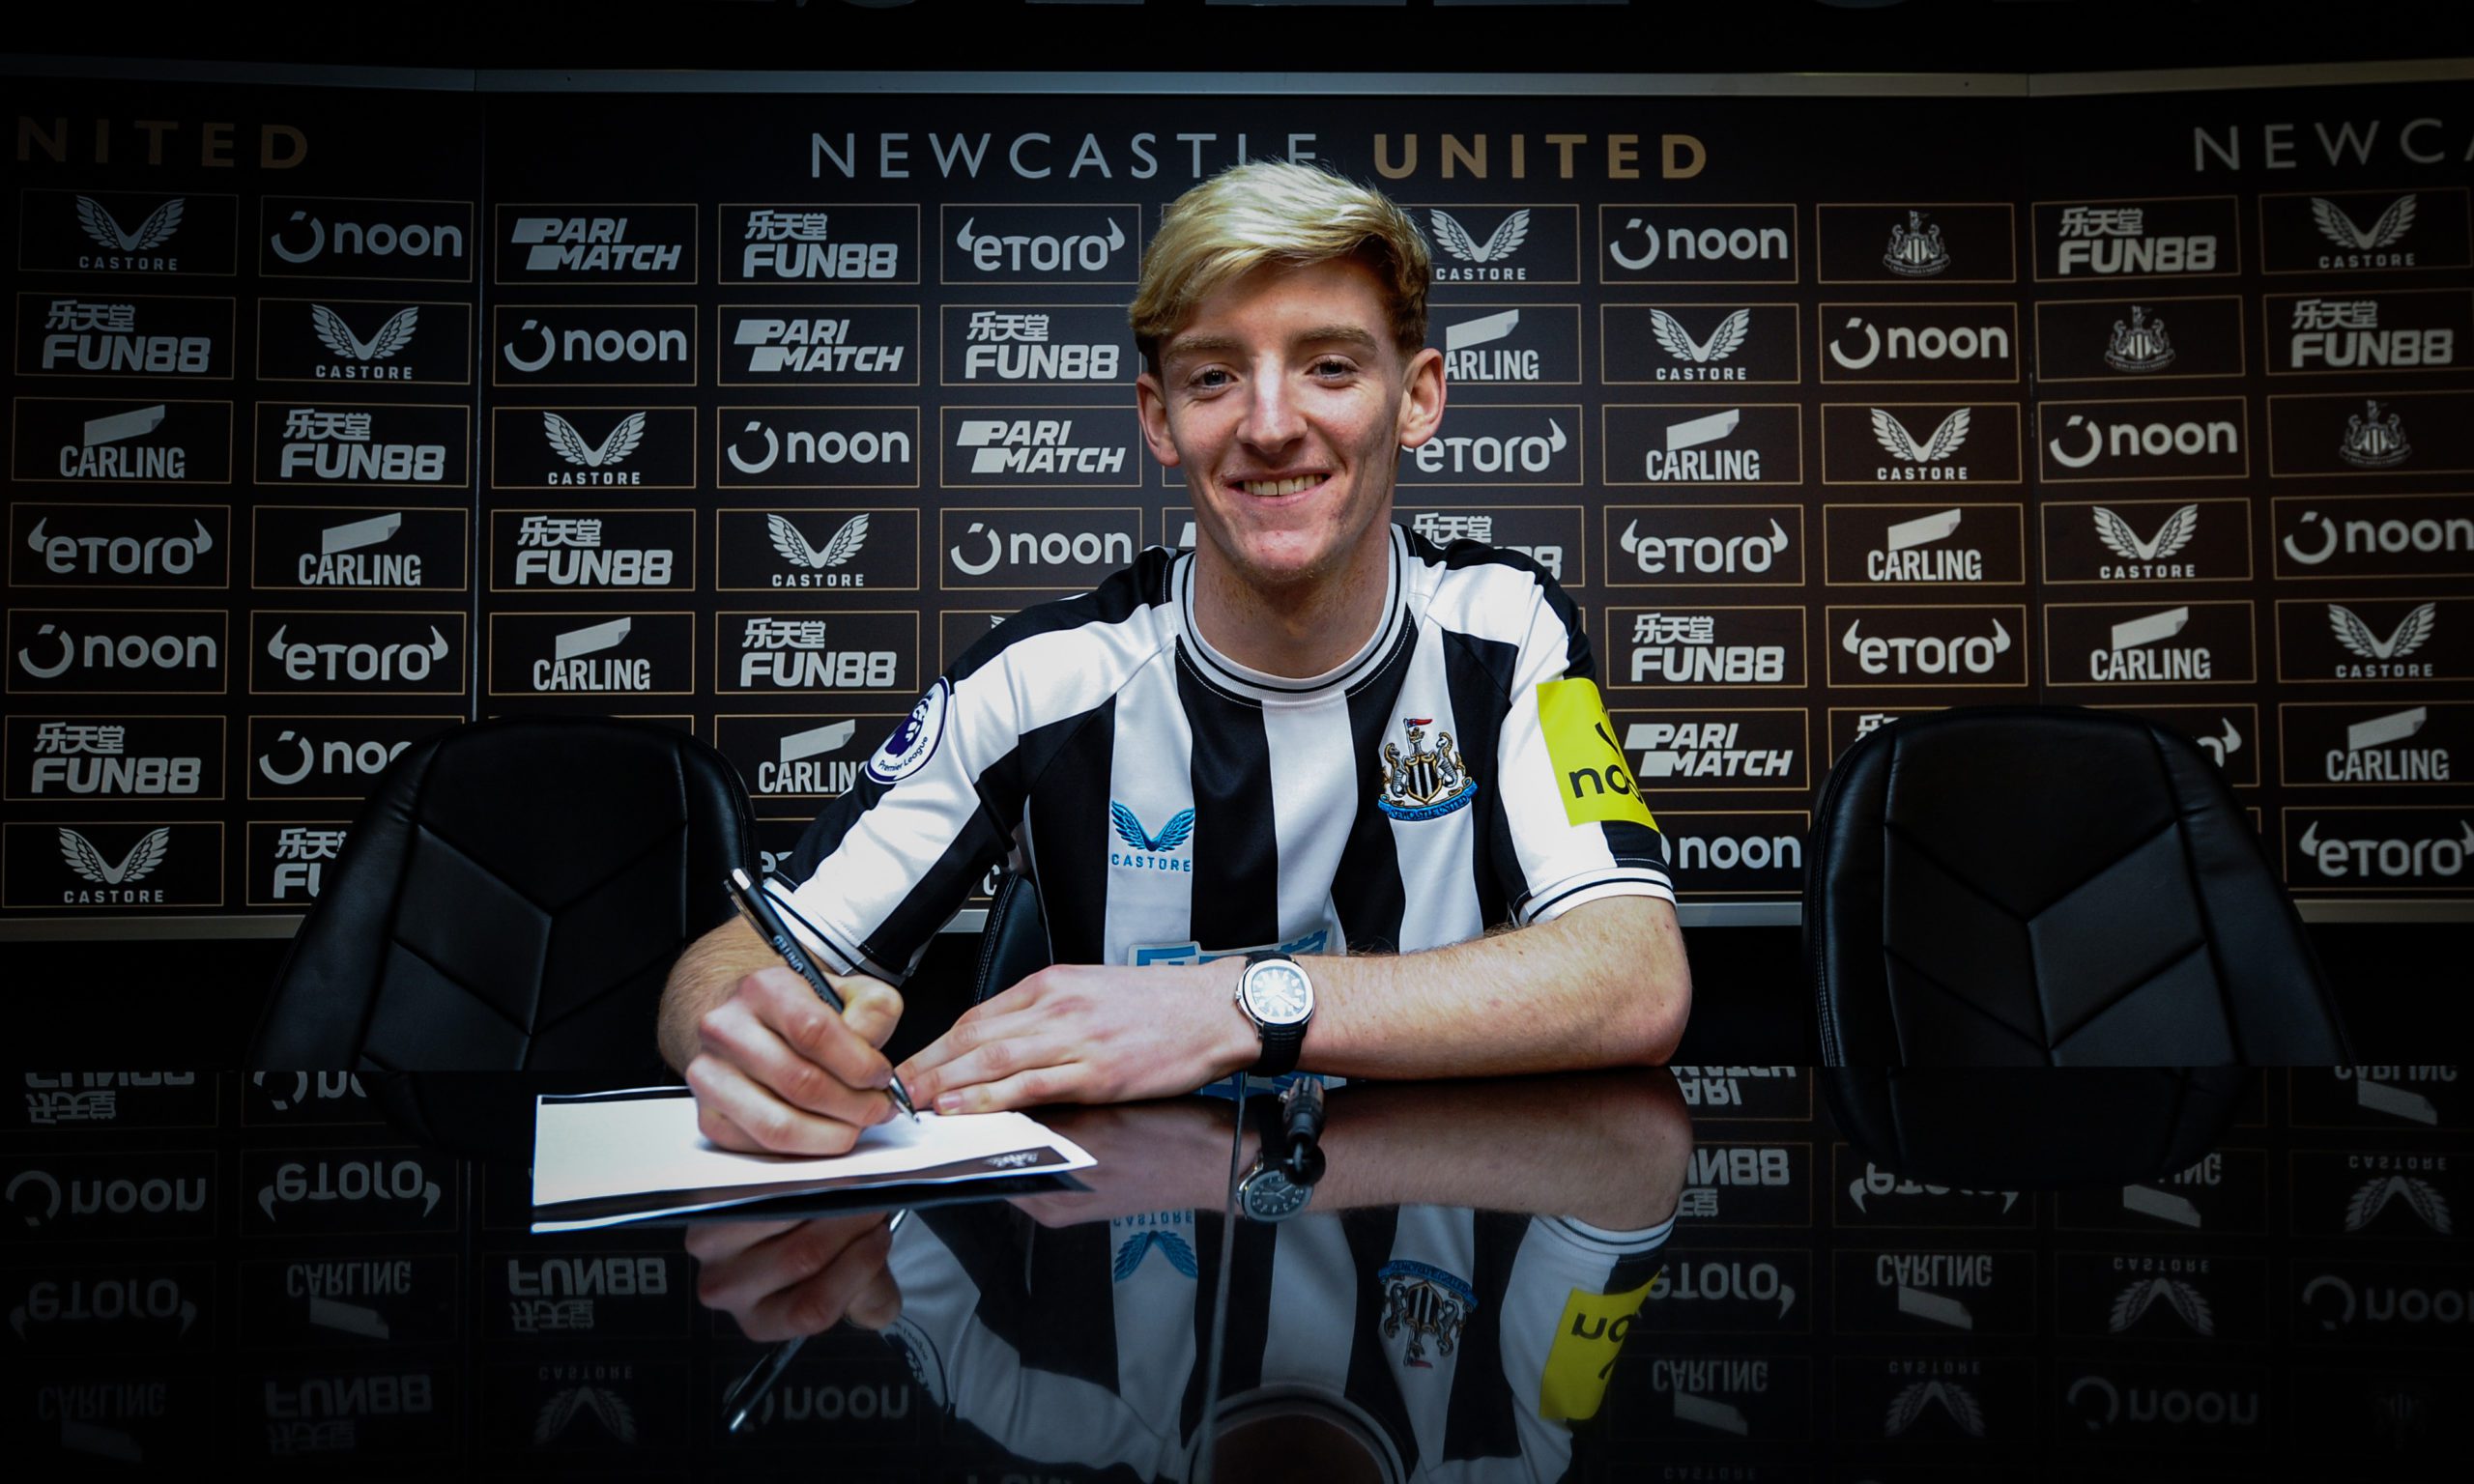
x: 599, y: 1159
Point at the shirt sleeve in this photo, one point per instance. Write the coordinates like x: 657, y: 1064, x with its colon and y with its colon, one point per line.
x: 1580, y: 828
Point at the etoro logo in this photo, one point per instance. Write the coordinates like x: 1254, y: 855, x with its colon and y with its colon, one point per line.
x: 120, y: 555
x: 998, y: 255
x: 1929, y: 655
x: 323, y: 1179
x: 2376, y: 859
x: 310, y: 662
x: 1705, y: 554
x: 1516, y: 452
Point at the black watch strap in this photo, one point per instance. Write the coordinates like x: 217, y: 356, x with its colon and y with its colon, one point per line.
x: 1282, y: 1044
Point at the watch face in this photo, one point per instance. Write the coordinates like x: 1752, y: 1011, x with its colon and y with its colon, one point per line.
x: 1269, y: 1195
x: 1279, y: 993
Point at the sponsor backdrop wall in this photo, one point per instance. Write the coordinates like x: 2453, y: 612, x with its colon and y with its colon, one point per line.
x: 342, y: 415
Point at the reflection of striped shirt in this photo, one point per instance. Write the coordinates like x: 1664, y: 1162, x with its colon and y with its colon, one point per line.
x: 1172, y: 804
x: 1433, y: 1326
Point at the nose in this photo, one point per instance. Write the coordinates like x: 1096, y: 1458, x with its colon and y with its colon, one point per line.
x: 1273, y: 419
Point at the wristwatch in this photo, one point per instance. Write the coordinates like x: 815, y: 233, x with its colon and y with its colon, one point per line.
x: 1275, y: 994
x: 1267, y: 1194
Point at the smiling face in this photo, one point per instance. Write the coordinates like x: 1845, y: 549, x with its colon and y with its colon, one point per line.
x: 1287, y: 403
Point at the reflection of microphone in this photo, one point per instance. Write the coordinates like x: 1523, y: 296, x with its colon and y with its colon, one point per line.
x: 1301, y: 1121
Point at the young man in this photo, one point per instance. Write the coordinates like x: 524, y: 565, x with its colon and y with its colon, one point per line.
x: 1314, y: 736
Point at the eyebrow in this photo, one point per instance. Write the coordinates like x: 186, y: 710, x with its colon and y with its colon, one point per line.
x: 1184, y: 346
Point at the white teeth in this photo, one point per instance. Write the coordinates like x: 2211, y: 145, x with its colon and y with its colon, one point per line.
x: 1272, y: 489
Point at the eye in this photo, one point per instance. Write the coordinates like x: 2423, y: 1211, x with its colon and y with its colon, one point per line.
x: 1209, y: 379
x: 1333, y: 366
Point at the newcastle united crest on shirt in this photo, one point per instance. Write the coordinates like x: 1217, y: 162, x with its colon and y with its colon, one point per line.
x: 1424, y: 784
x: 1428, y: 1303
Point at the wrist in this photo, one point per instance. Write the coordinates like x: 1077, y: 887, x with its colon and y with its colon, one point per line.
x: 1240, y: 1042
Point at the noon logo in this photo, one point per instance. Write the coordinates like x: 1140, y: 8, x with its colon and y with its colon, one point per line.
x: 1039, y: 549
x: 2199, y: 439
x: 1649, y: 243
x: 812, y: 447
x: 2379, y: 535
x: 595, y: 345
x: 129, y: 653
x: 1918, y: 343
x: 300, y: 757
x: 350, y: 238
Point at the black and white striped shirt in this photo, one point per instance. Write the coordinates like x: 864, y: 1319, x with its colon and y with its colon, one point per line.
x: 1172, y: 804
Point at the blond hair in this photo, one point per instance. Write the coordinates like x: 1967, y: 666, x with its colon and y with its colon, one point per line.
x: 1274, y: 211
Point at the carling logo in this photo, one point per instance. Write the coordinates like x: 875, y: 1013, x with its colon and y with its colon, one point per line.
x: 801, y: 764
x: 109, y: 449
x: 342, y: 560
x: 2138, y: 655
x: 1911, y: 551
x: 571, y: 665
x: 2368, y: 754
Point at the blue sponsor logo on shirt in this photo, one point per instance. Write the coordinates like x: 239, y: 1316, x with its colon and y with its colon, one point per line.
x: 1151, y: 852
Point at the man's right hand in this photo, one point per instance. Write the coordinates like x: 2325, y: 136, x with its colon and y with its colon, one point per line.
x: 777, y: 1072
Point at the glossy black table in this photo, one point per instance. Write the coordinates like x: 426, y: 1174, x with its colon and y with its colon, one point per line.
x: 1703, y: 1274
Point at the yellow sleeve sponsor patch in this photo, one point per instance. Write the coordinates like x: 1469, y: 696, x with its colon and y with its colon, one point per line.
x: 1587, y: 1339
x: 1590, y: 775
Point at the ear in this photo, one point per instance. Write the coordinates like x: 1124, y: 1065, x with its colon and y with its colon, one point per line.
x: 1151, y: 406
x: 1422, y: 398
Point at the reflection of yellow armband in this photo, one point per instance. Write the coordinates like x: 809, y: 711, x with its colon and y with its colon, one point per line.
x: 1590, y: 775
x: 1587, y: 1339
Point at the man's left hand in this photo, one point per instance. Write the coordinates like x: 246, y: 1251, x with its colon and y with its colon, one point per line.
x: 1088, y: 1033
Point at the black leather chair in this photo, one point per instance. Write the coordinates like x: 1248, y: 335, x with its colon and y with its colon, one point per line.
x: 2033, y: 886
x: 2035, y: 1129
x: 512, y: 897
x: 1012, y: 943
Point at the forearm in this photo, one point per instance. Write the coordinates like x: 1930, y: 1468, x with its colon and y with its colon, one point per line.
x: 700, y: 980
x: 1605, y: 985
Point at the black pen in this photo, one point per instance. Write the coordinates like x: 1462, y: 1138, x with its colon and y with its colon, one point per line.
x: 757, y: 909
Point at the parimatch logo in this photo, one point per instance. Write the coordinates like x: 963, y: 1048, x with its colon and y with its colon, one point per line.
x: 1000, y: 446
x: 596, y: 243
x: 1730, y: 749
x: 823, y: 345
